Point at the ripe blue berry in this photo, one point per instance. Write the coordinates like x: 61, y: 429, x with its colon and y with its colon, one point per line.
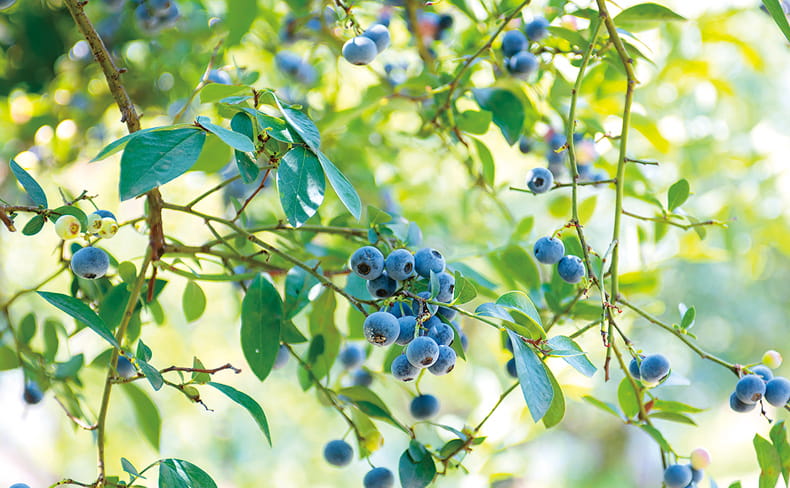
x: 633, y: 367
x: 422, y: 352
x: 445, y: 363
x: 338, y: 452
x: 125, y: 368
x: 763, y: 372
x: 15, y: 485
x: 777, y: 392
x: 447, y: 313
x: 539, y: 180
x: 739, y: 406
x: 423, y: 307
x: 427, y: 260
x: 524, y: 144
x: 90, y: 263
x: 400, y: 264
x: 379, y: 478
x: 446, y: 287
x: 282, y: 357
x: 382, y: 287
x: 424, y: 406
x: 402, y: 369
x: 696, y: 474
x: 513, y: 42
x: 352, y: 356
x: 523, y: 64
x: 407, y: 324
x: 750, y: 388
x: 571, y: 269
x: 380, y: 36
x: 288, y: 62
x: 537, y: 29
x: 400, y: 309
x: 549, y: 250
x: 219, y: 76
x: 360, y: 50
x: 361, y: 377
x: 367, y: 262
x: 654, y: 368
x: 381, y: 328
x: 511, y: 367
x: 441, y: 333
x: 32, y: 393
x: 677, y: 476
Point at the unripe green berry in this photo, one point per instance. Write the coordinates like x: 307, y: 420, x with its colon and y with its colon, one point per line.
x: 67, y: 227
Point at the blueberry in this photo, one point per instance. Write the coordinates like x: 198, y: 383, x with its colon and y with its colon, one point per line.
x: 654, y: 368
x: 219, y: 76
x: 537, y: 29
x: 360, y: 50
x: 429, y: 324
x: 738, y: 405
x: 441, y: 333
x: 677, y: 476
x: 352, y: 356
x: 524, y: 145
x: 381, y: 328
x: 571, y: 269
x: 15, y: 485
x: 282, y: 357
x: 763, y: 372
x: 367, y: 262
x: 125, y: 368
x: 750, y: 388
x: 382, y: 287
x: 549, y: 250
x: 402, y: 369
x: 422, y: 352
x: 427, y: 260
x: 380, y: 36
x: 95, y: 220
x: 400, y: 264
x: 32, y: 393
x: 696, y: 474
x: 539, y: 180
x: 777, y: 392
x: 159, y: 6
x: 424, y: 406
x: 511, y: 367
x: 400, y: 309
x: 523, y: 64
x: 445, y: 21
x: 168, y: 18
x: 598, y: 176
x: 288, y: 62
x: 556, y: 161
x: 361, y: 377
x: 556, y: 139
x: 90, y: 263
x: 407, y: 324
x: 447, y: 312
x: 445, y: 363
x: 513, y: 42
x: 306, y: 74
x: 379, y: 478
x: 423, y: 307
x: 338, y: 452
x: 633, y: 367
x: 446, y: 287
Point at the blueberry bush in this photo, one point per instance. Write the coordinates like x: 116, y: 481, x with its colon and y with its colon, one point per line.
x: 436, y: 242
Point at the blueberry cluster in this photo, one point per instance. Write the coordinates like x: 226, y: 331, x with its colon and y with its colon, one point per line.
x: 295, y: 67
x: 758, y: 385
x: 515, y: 46
x: 363, y: 49
x: 156, y: 15
x: 687, y: 475
x: 351, y: 357
x: 101, y: 223
x: 651, y: 370
x: 340, y: 453
x: 550, y: 250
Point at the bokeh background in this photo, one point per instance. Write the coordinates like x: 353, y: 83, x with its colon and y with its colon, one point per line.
x: 712, y: 108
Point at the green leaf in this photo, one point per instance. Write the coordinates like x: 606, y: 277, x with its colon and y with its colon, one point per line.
x: 302, y: 124
x: 645, y: 16
x: 534, y: 380
x: 657, y: 436
x: 506, y: 108
x: 672, y: 406
x: 464, y: 290
x: 325, y: 345
x: 249, y: 171
x: 673, y: 417
x: 261, y: 321
x: 50, y: 339
x: 453, y: 445
x: 605, y: 406
x: 276, y: 127
x: 474, y: 121
x: 627, y: 398
x: 688, y: 318
x: 301, y: 185
x: 27, y: 328
x: 239, y: 18
x: 369, y: 438
x: 344, y: 189
x: 152, y: 374
x: 214, y: 92
x: 34, y: 225
x: 127, y: 466
x: 779, y: 438
x: 81, y: 312
x: 247, y: 402
x: 580, y: 363
x: 175, y: 473
x: 416, y: 473
x: 556, y: 410
x: 31, y: 186
x: 8, y: 358
x: 70, y: 368
x: 488, y: 167
x: 239, y: 142
x: 298, y: 284
x: 678, y: 193
x: 193, y: 301
x: 201, y: 378
x: 214, y: 155
x: 369, y: 403
x: 155, y: 158
x: 777, y: 13
x: 119, y: 144
x: 519, y: 301
x: 769, y: 461
x: 146, y: 412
